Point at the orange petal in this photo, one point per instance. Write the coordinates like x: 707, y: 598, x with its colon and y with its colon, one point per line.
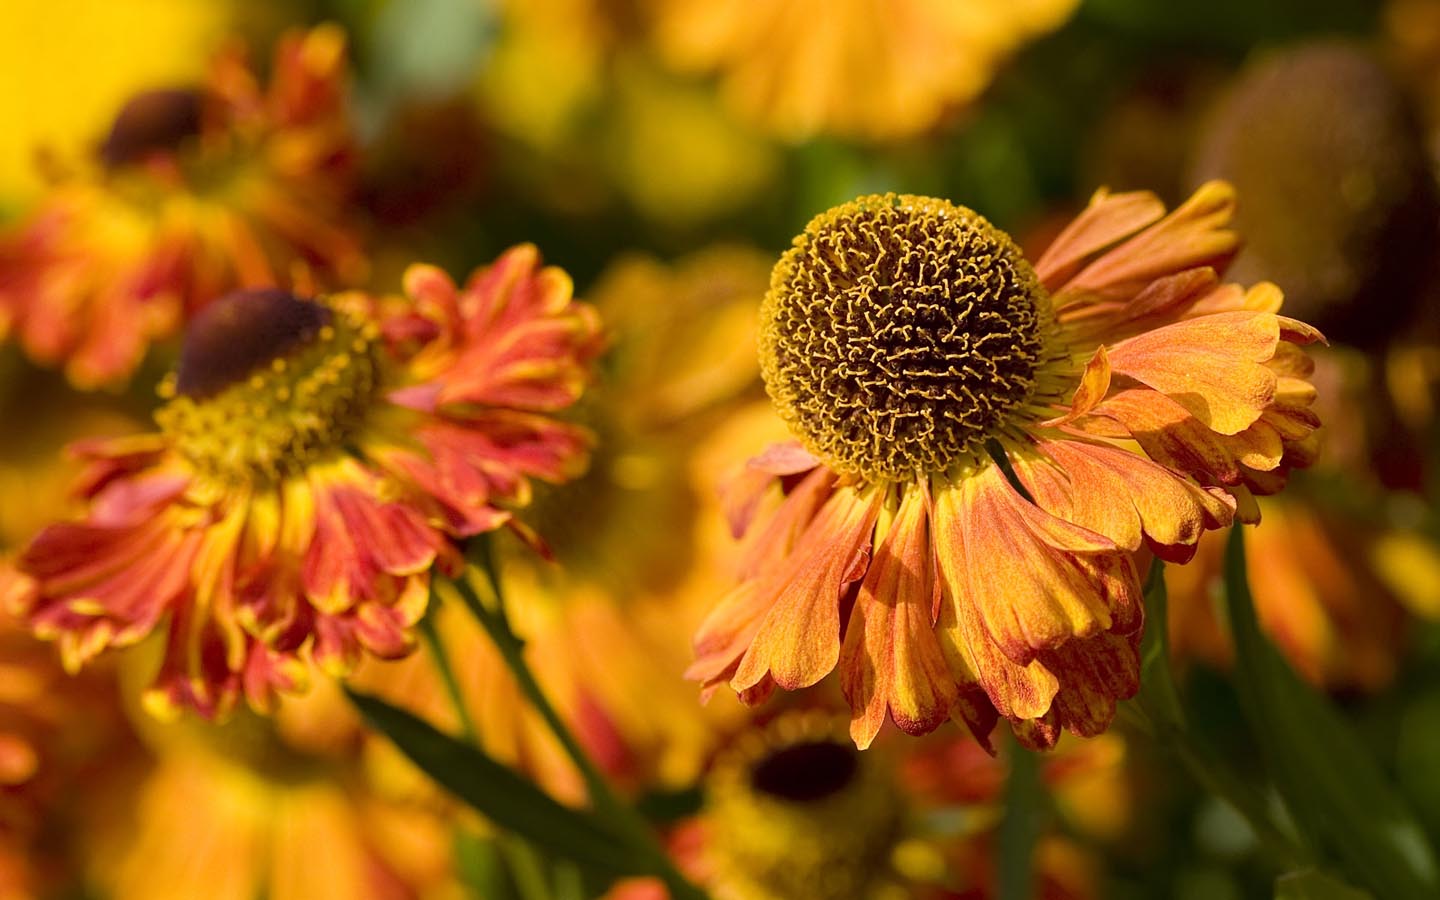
x: 1108, y: 219
x: 891, y: 659
x: 1037, y: 580
x: 1214, y: 366
x: 798, y: 643
x: 1195, y: 234
x: 1023, y: 692
x: 1094, y: 674
x: 1094, y: 385
x: 1126, y: 498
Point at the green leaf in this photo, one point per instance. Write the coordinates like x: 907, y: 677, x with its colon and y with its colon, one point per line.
x: 502, y: 796
x: 1338, y: 794
x: 1312, y: 884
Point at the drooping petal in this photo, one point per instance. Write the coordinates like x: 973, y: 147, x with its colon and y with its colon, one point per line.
x: 890, y: 660
x: 798, y: 642
x: 1039, y: 581
x: 1125, y: 497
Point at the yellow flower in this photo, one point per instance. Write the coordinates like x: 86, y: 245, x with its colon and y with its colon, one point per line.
x: 195, y: 191
x: 315, y: 459
x: 870, y: 69
x: 921, y: 361
x: 792, y: 809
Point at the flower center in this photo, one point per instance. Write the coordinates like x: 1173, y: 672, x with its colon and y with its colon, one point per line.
x: 797, y: 811
x: 151, y: 122
x: 899, y: 332
x: 268, y: 384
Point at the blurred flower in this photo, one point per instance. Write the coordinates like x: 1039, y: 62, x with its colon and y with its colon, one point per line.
x: 1316, y: 595
x: 281, y: 808
x: 75, y: 73
x: 1339, y: 561
x: 792, y: 809
x: 673, y: 152
x: 57, y: 736
x: 918, y: 356
x: 1340, y: 205
x: 194, y: 192
x: 567, y: 80
x: 859, y: 68
x: 316, y: 458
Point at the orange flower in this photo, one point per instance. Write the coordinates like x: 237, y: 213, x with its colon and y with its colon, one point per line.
x: 918, y: 356
x: 315, y: 459
x: 856, y: 68
x: 194, y: 192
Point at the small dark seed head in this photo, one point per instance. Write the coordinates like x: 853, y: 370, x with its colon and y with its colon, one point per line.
x: 151, y: 122
x: 241, y: 332
x: 805, y: 773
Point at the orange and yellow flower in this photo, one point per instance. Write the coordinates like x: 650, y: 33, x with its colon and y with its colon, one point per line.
x: 860, y: 68
x: 985, y: 447
x: 194, y: 192
x: 791, y: 809
x: 315, y: 459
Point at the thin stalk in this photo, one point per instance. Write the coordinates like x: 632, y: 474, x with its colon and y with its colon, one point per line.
x: 441, y: 656
x: 629, y: 823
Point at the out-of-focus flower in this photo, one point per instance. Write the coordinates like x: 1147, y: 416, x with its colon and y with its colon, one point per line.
x: 57, y: 735
x: 1316, y: 595
x: 1339, y: 561
x: 674, y: 153
x: 917, y: 355
x: 605, y: 630
x: 256, y: 808
x: 792, y: 809
x: 315, y: 460
x: 194, y: 192
x: 1340, y: 204
x: 859, y: 68
x: 75, y: 73
x: 567, y: 82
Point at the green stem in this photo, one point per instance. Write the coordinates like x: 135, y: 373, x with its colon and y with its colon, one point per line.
x: 431, y: 634
x: 631, y: 826
x: 1020, y: 826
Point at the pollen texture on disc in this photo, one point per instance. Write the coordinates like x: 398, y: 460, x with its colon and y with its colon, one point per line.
x: 899, y: 333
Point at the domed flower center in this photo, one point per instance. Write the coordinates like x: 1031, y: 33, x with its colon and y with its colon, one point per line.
x: 267, y: 384
x: 900, y: 332
x: 151, y: 122
x: 799, y: 812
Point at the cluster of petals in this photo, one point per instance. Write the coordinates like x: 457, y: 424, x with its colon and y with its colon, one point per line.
x: 252, y: 580
x: 981, y: 594
x: 195, y: 192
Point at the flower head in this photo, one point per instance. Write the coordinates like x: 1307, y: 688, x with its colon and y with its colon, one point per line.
x: 984, y: 446
x: 194, y: 191
x: 858, y: 68
x: 315, y: 459
x: 791, y: 808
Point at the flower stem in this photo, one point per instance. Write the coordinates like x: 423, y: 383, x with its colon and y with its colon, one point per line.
x: 441, y: 656
x: 629, y: 823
